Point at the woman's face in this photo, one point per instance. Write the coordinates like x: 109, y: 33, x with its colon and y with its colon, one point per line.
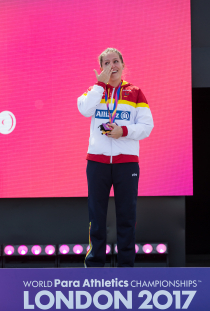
x: 116, y: 65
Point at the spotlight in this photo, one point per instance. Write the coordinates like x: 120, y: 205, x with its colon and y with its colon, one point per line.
x: 49, y: 249
x: 152, y: 248
x: 152, y: 255
x: 161, y: 248
x: 147, y: 248
x: 36, y: 250
x: 29, y: 250
x: 116, y: 250
x: 148, y: 255
x: 73, y: 255
x: 72, y: 249
x: 64, y: 249
x: 29, y: 256
x: 9, y: 250
x: 78, y: 249
x: 108, y: 249
x: 42, y: 250
x: 22, y: 250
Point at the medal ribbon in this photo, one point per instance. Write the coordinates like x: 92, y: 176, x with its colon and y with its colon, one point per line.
x: 117, y: 94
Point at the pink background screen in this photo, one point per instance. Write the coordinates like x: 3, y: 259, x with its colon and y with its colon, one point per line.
x: 48, y: 52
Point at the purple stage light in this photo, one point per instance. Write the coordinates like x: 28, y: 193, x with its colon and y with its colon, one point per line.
x: 116, y: 250
x: 161, y: 248
x: 108, y: 249
x: 36, y: 249
x: 77, y: 249
x: 22, y: 250
x: 147, y: 248
x: 49, y: 249
x: 136, y: 248
x: 64, y: 249
x: 9, y: 250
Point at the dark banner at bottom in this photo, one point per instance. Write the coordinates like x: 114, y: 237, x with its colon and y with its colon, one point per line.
x: 105, y: 289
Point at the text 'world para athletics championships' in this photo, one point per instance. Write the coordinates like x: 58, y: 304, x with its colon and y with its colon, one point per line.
x: 87, y: 296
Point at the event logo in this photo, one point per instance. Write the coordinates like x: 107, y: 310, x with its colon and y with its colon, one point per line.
x: 7, y: 122
x: 75, y: 300
x: 102, y: 294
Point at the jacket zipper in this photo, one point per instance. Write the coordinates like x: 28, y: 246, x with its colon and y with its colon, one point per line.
x: 111, y: 139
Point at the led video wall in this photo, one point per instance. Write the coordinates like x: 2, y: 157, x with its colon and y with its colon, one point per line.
x: 48, y: 52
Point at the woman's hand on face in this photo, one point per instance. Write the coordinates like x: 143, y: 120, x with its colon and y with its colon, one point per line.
x: 117, y: 131
x: 105, y: 75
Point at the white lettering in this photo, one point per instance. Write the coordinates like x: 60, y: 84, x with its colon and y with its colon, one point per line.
x: 167, y: 304
x: 27, y: 306
x: 190, y: 294
x: 56, y: 282
x: 50, y: 303
x: 49, y: 284
x: 76, y: 283
x: 144, y: 284
x: 86, y: 283
x: 108, y: 283
x: 177, y: 295
x: 27, y: 284
x: 79, y: 304
x: 134, y: 283
x: 35, y: 282
x: 119, y: 297
x: 64, y: 283
x: 69, y: 303
x: 106, y: 305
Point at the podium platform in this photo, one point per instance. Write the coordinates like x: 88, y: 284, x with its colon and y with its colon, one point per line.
x: 105, y: 289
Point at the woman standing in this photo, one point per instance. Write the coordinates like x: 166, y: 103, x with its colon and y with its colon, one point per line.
x: 113, y: 156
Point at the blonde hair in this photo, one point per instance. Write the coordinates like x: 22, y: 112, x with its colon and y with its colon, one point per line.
x: 107, y: 51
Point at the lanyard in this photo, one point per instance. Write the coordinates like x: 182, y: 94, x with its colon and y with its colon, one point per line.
x: 117, y: 94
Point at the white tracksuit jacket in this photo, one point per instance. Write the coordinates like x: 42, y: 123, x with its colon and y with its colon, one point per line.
x: 133, y: 114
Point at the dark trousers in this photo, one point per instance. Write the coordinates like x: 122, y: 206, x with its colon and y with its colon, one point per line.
x: 124, y: 178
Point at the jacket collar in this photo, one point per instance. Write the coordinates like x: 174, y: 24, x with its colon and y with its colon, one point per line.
x: 123, y: 84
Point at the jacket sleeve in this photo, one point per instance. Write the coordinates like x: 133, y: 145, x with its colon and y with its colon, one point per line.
x: 88, y: 102
x: 143, y: 122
